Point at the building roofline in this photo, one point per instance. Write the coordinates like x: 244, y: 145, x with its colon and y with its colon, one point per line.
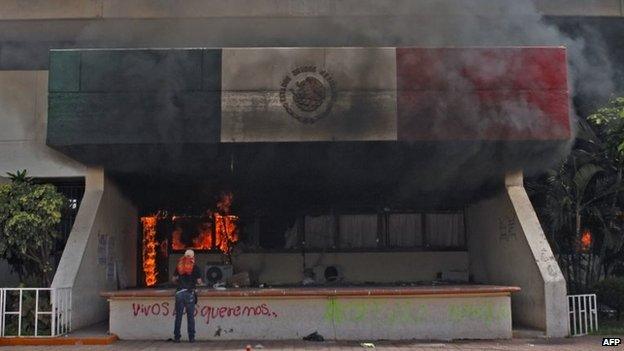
x: 145, y: 9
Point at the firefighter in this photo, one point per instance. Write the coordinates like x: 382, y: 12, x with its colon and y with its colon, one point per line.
x: 187, y: 276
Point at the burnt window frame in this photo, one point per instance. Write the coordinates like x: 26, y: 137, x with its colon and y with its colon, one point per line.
x: 170, y: 250
x: 382, y: 234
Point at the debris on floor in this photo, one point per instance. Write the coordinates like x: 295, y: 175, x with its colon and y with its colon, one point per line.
x: 219, y: 286
x: 240, y: 280
x: 368, y: 345
x: 308, y: 277
x: 308, y: 281
x: 314, y: 337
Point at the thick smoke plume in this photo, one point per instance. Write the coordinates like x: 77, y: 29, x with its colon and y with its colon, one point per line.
x: 403, y: 23
x: 479, y: 23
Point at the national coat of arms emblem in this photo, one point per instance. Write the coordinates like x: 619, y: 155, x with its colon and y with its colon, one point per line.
x: 307, y: 93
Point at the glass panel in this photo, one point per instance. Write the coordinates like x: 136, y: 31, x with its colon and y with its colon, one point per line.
x: 291, y: 236
x: 404, y: 230
x: 445, y: 229
x: 358, y: 231
x: 319, y: 231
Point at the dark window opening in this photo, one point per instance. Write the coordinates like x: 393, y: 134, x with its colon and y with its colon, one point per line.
x: 73, y: 189
x: 383, y: 231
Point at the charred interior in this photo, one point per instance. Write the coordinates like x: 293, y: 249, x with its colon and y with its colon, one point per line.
x: 312, y: 198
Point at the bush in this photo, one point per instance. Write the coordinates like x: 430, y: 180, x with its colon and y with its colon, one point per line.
x: 610, y: 292
x: 28, y: 314
x: 29, y: 214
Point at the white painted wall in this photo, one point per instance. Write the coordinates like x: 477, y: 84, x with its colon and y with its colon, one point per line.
x: 342, y: 318
x: 23, y: 123
x: 104, y: 211
x: 378, y: 267
x: 507, y: 246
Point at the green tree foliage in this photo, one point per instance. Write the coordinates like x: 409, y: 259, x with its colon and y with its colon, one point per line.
x: 29, y: 214
x: 611, y: 293
x: 585, y: 194
x: 608, y: 122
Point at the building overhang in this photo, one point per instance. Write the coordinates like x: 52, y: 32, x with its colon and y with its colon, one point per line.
x: 205, y: 111
x: 179, y: 96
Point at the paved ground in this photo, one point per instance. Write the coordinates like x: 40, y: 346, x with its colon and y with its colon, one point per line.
x: 576, y: 344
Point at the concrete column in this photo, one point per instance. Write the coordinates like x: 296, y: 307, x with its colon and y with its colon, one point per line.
x: 100, y: 253
x: 507, y: 246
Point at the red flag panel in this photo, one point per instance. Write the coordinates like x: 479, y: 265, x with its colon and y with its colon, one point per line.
x: 482, y: 93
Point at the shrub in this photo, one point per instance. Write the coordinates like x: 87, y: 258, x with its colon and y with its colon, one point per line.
x: 610, y: 292
x: 29, y: 214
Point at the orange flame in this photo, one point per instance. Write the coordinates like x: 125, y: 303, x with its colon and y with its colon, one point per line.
x: 226, y: 231
x: 204, y: 240
x: 216, y: 230
x: 176, y: 240
x: 586, y: 240
x: 149, y: 249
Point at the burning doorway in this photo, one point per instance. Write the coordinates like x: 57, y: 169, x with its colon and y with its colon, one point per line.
x: 215, y: 230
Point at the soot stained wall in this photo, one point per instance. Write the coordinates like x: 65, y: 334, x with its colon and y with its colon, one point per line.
x: 134, y: 97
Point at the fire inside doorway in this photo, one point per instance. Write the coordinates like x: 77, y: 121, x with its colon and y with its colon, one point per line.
x: 313, y: 213
x: 165, y: 233
x: 216, y: 235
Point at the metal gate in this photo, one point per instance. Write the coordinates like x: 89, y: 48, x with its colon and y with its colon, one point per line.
x: 13, y: 312
x: 583, y: 312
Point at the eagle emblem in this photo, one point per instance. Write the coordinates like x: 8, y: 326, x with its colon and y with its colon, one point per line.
x: 307, y: 93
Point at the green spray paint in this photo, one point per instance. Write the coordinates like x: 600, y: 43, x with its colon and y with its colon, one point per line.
x: 487, y: 312
x: 388, y: 312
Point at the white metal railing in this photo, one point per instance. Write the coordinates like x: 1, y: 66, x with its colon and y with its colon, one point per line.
x: 583, y: 312
x: 59, y: 312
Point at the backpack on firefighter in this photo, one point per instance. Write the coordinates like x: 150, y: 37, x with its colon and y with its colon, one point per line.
x: 185, y: 265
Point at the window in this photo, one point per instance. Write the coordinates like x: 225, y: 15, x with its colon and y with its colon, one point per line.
x: 445, y: 230
x: 363, y: 231
x: 320, y: 231
x: 404, y: 230
x: 73, y: 189
x: 358, y: 231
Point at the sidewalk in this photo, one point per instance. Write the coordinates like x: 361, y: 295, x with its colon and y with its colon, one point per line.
x: 568, y: 344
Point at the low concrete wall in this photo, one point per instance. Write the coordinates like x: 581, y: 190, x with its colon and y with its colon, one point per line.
x: 356, y: 267
x: 341, y: 318
x: 100, y: 253
x: 507, y: 246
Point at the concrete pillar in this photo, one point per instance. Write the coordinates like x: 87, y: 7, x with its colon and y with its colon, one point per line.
x: 100, y: 253
x: 507, y: 246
